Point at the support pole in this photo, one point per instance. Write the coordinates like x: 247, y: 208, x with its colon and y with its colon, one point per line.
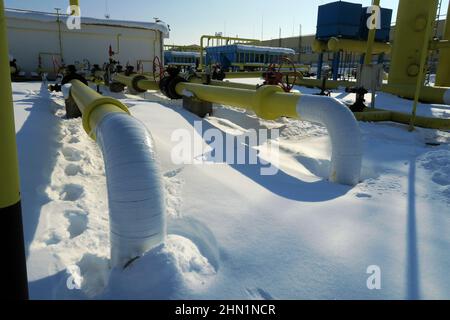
x: 443, y: 72
x: 14, y: 267
x: 423, y: 61
x: 371, y: 37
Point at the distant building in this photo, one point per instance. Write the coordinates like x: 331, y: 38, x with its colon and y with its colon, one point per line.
x: 303, y: 45
x: 35, y: 40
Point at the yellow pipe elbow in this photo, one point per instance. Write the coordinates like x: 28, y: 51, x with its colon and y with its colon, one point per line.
x: 93, y: 106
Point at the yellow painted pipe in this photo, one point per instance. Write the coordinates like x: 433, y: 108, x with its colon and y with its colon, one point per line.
x: 379, y: 115
x: 138, y: 84
x: 428, y: 94
x: 410, y: 33
x: 228, y: 84
x: 147, y: 84
x: 74, y: 3
x: 243, y: 75
x: 93, y: 106
x: 261, y: 101
x: 439, y: 44
x: 9, y: 167
x: 319, y: 46
x: 330, y: 84
x: 335, y: 45
x: 443, y: 71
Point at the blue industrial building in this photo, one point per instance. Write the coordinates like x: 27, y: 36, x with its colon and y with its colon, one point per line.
x: 245, y: 57
x: 349, y: 20
x: 181, y: 58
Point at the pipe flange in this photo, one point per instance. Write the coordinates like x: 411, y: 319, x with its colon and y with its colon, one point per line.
x: 171, y: 88
x: 259, y: 99
x: 98, y: 102
x: 134, y: 83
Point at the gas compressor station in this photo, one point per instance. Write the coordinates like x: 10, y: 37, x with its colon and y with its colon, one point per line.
x: 367, y: 59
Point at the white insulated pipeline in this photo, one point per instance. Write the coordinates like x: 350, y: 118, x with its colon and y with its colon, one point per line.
x: 135, y: 187
x: 344, y: 132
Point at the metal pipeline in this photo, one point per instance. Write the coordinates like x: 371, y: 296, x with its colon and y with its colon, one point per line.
x: 335, y: 45
x: 378, y: 115
x: 135, y: 192
x: 137, y: 83
x: 428, y: 94
x: 271, y: 102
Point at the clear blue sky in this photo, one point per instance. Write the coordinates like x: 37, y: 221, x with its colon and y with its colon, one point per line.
x: 189, y: 19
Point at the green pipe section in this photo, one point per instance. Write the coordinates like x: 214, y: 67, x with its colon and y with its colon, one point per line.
x: 443, y: 72
x: 93, y: 106
x: 410, y: 32
x: 9, y: 167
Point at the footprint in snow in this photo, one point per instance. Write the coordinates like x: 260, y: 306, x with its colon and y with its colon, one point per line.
x: 72, y: 154
x: 72, y: 170
x: 259, y: 294
x: 173, y: 173
x: 78, y: 222
x: 363, y: 196
x: 71, y: 192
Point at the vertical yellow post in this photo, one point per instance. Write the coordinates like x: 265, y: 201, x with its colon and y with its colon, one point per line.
x: 371, y: 37
x: 423, y: 61
x: 74, y: 3
x: 410, y: 31
x: 10, y: 208
x: 443, y: 72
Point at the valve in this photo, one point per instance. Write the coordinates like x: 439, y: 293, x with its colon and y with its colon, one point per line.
x: 359, y: 104
x: 159, y: 72
x: 273, y: 75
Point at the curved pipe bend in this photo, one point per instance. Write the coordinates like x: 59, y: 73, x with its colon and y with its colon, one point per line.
x: 344, y: 132
x: 135, y: 190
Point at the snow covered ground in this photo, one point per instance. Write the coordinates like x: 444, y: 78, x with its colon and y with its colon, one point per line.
x: 234, y: 234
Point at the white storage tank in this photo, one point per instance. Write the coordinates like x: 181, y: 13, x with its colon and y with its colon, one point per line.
x: 37, y: 39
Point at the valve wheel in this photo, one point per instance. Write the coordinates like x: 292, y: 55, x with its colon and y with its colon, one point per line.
x: 274, y: 75
x: 158, y: 69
